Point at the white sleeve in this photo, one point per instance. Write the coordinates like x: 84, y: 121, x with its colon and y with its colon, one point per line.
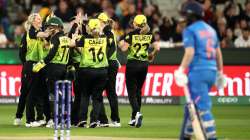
x: 237, y: 42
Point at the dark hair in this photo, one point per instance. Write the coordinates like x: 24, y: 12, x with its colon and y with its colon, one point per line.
x: 246, y: 28
x: 246, y: 2
x: 1, y: 29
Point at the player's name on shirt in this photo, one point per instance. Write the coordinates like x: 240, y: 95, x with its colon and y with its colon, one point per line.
x: 142, y: 37
x: 96, y: 41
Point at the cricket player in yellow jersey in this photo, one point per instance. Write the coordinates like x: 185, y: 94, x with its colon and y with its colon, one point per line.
x: 137, y: 43
x: 55, y: 62
x: 114, y: 64
x: 31, y: 52
x: 93, y: 69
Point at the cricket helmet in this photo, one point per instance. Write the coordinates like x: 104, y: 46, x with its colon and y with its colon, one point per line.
x: 55, y: 21
x: 103, y: 17
x: 140, y: 20
x: 94, y: 24
x: 192, y: 8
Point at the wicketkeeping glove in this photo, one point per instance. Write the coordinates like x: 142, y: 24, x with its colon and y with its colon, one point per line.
x: 180, y: 77
x: 38, y: 66
x: 220, y: 82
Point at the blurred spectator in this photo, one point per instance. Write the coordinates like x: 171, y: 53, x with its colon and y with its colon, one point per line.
x: 231, y: 15
x: 106, y: 4
x: 92, y: 7
x: 157, y: 36
x: 209, y: 11
x: 125, y: 10
x: 156, y: 18
x: 237, y: 29
x: 108, y: 8
x: 148, y: 12
x: 3, y: 8
x: 243, y: 23
x: 166, y: 29
x: 117, y: 29
x: 3, y: 38
x: 64, y: 11
x: 246, y: 12
x: 228, y: 18
x: 227, y: 42
x: 19, y: 31
x: 221, y: 28
x: 131, y: 13
x: 122, y: 8
x: 243, y: 41
x: 177, y: 35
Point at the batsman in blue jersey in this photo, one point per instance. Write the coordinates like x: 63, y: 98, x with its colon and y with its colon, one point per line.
x: 203, y: 59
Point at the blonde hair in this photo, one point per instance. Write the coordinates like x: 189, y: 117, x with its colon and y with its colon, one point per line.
x: 30, y: 20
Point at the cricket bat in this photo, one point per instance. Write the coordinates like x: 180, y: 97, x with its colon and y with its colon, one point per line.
x: 194, y: 118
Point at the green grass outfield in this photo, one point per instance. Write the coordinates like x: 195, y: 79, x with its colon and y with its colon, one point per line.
x: 160, y: 121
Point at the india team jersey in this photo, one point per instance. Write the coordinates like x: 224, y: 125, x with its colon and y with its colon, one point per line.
x: 203, y: 39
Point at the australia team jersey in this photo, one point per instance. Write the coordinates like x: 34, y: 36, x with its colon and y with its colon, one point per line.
x: 204, y: 40
x: 138, y: 45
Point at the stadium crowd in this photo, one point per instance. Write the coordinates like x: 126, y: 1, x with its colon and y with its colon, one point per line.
x: 230, y: 19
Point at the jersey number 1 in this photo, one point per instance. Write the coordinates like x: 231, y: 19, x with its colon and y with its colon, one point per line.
x: 99, y: 56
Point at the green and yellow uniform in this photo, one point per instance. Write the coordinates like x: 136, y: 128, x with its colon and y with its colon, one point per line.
x: 139, y: 45
x: 34, y: 53
x: 34, y: 48
x: 136, y: 68
x: 59, y: 49
x: 111, y: 83
x: 94, y: 53
x: 76, y: 56
x: 93, y: 73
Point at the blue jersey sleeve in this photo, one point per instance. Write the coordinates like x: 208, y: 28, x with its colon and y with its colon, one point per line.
x: 188, y: 38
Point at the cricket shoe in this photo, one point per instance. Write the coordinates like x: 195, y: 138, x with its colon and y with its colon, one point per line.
x: 131, y: 122
x: 114, y: 124
x: 17, y: 122
x: 75, y: 125
x: 42, y: 122
x: 102, y: 124
x: 33, y: 124
x: 50, y: 124
x: 82, y: 124
x: 93, y: 125
x: 138, y: 120
x: 28, y: 125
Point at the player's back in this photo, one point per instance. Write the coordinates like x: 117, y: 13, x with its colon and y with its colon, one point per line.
x: 204, y: 40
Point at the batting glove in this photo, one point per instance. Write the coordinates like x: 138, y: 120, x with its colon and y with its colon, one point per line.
x: 180, y: 77
x: 221, y: 81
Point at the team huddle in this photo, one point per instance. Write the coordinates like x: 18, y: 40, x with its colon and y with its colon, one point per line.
x: 87, y: 55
